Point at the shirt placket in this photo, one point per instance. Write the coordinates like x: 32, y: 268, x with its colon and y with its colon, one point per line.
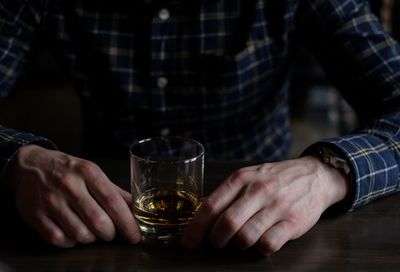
x: 161, y: 33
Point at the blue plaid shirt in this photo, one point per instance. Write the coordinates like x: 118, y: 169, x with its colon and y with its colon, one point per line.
x: 216, y: 71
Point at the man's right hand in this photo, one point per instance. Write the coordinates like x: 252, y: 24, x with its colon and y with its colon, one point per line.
x: 68, y: 200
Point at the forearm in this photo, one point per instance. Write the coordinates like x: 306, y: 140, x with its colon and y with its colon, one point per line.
x: 363, y: 61
x: 372, y: 155
x: 373, y: 152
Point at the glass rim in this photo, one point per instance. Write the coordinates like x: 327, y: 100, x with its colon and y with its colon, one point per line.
x: 192, y: 159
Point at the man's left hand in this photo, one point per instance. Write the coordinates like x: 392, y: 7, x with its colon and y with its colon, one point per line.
x: 267, y: 205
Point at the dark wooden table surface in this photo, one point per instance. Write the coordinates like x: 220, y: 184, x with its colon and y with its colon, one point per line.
x: 367, y: 239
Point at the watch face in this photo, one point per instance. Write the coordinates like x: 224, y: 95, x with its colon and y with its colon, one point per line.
x: 334, y: 159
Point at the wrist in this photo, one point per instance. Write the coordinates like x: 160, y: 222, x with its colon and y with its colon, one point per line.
x: 9, y: 178
x: 334, y: 157
x: 335, y: 184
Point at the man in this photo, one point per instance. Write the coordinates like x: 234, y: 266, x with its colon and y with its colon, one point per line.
x: 216, y: 71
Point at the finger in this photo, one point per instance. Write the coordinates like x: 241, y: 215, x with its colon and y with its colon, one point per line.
x: 71, y: 223
x: 252, y: 230
x: 73, y: 186
x: 93, y: 215
x: 251, y: 200
x: 213, y: 206
x: 274, y: 238
x: 55, y: 206
x: 116, y: 206
x: 51, y: 232
x: 125, y: 195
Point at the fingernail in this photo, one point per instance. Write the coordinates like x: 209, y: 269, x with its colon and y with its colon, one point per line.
x: 136, y: 238
x: 68, y: 243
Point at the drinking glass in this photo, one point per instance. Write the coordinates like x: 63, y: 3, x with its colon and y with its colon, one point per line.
x: 166, y: 185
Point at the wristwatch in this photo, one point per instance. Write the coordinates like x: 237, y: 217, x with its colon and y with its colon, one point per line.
x: 338, y: 160
x: 330, y: 156
x: 334, y: 159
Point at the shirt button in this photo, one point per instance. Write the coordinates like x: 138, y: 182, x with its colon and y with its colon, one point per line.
x: 162, y: 82
x: 163, y: 14
x: 165, y: 132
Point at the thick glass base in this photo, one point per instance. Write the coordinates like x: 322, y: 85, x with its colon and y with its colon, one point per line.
x: 161, y: 235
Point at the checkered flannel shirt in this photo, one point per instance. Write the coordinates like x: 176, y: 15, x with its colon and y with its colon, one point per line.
x: 214, y: 70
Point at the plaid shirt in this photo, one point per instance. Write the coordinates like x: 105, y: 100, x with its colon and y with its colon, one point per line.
x: 216, y: 71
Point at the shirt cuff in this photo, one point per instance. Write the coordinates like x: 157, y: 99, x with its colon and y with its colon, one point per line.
x: 374, y: 166
x: 11, y: 141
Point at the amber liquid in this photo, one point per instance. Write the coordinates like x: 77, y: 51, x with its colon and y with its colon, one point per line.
x: 164, y: 213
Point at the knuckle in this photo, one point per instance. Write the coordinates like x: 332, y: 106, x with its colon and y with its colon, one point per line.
x: 294, y: 215
x: 281, y: 203
x: 87, y: 168
x: 65, y: 181
x: 112, y: 200
x: 228, y: 223
x: 99, y: 221
x: 244, y: 240
x: 32, y: 215
x: 263, y: 168
x: 103, y: 225
x: 260, y: 187
x: 209, y: 206
x: 49, y: 199
x: 56, y: 238
x: 239, y: 175
x: 268, y: 247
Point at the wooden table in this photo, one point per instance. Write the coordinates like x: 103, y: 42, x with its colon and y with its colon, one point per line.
x: 367, y: 239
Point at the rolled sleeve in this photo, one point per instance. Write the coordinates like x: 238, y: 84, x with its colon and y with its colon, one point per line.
x: 363, y: 61
x: 374, y: 157
x: 11, y: 141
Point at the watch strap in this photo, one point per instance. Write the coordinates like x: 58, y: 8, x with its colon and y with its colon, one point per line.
x: 330, y: 154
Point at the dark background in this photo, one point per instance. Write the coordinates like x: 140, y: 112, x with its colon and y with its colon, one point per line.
x: 46, y: 104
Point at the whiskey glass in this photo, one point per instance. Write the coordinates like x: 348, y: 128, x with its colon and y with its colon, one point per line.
x: 166, y: 186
